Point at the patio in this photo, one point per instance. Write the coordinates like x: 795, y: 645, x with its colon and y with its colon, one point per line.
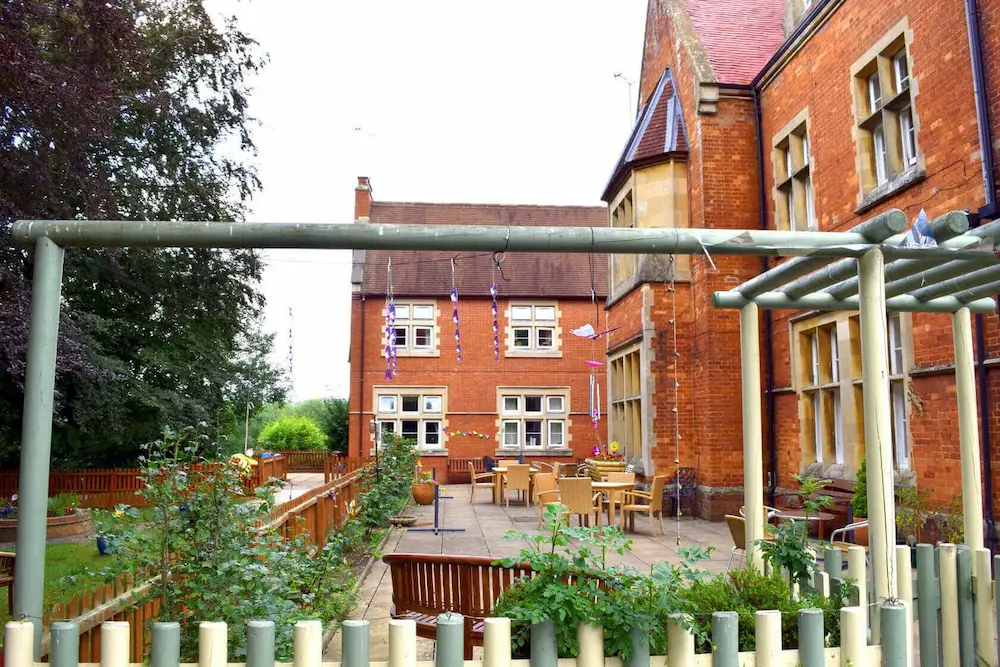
x: 485, y: 525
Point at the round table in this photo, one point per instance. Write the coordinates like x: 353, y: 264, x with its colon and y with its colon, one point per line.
x: 612, y: 486
x: 800, y: 515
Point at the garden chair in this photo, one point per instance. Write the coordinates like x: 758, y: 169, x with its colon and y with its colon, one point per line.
x: 546, y: 493
x: 577, y: 494
x: 483, y: 479
x: 738, y: 529
x: 688, y: 478
x: 653, y: 505
x: 518, y: 478
x: 771, y: 512
x: 488, y: 464
x: 615, y: 497
x: 7, y: 576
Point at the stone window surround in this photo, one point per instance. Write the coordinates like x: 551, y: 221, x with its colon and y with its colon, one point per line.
x: 510, y: 351
x: 790, y: 139
x: 565, y: 416
x: 899, y: 176
x: 421, y: 391
x: 434, y: 350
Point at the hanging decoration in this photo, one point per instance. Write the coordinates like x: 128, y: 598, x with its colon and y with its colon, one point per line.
x: 454, y: 302
x: 497, y: 258
x: 473, y: 434
x: 291, y: 340
x: 587, y: 331
x: 391, y: 369
x: 672, y: 290
x: 594, y: 364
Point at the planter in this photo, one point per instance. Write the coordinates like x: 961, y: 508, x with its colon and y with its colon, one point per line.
x: 402, y: 520
x: 423, y: 494
x: 599, y: 470
x: 104, y: 545
x: 69, y: 525
x: 861, y: 536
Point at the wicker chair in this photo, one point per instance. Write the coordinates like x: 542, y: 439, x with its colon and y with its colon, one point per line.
x: 738, y: 529
x: 546, y: 493
x: 518, y: 478
x: 615, y: 497
x: 653, y: 505
x: 483, y: 479
x: 577, y: 494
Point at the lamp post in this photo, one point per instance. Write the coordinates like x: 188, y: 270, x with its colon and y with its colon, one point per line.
x: 376, y: 431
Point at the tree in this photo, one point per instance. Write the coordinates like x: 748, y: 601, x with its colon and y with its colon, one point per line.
x: 119, y: 110
x: 293, y: 433
x: 336, y: 424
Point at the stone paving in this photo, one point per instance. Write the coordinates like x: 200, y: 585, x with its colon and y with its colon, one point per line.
x: 298, y: 484
x: 485, y: 525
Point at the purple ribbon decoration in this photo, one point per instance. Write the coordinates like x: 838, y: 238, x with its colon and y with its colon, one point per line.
x: 496, y: 324
x: 458, y: 337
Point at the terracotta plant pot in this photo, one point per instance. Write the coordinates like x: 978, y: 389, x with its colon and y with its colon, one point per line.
x: 599, y: 470
x: 861, y: 536
x: 423, y: 494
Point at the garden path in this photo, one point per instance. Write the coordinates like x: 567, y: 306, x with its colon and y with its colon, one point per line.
x: 485, y: 525
x: 298, y: 484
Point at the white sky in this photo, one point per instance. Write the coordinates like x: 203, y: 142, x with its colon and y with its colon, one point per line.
x: 434, y: 100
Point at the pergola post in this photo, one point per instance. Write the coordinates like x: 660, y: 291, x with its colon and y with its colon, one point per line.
x: 968, y: 429
x: 36, y: 437
x: 878, y: 424
x: 753, y: 468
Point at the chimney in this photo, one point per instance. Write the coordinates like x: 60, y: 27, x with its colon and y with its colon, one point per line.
x: 362, y: 198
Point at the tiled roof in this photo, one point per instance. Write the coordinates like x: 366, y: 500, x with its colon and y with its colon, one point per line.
x: 658, y: 134
x: 739, y: 37
x: 528, y: 274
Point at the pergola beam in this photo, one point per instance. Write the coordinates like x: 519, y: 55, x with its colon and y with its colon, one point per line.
x: 953, y: 286
x: 904, y: 303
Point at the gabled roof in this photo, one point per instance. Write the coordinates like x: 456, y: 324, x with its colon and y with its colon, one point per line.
x: 658, y: 134
x: 525, y: 274
x: 739, y: 37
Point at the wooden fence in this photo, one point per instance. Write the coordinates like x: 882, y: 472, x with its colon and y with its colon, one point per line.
x: 106, y: 488
x: 337, y: 466
x: 315, y: 513
x: 306, y: 461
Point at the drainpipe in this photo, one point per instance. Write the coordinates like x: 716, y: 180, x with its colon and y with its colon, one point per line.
x: 988, y: 211
x: 361, y: 386
x: 772, y: 474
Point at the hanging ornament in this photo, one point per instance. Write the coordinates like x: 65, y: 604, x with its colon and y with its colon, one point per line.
x: 496, y: 323
x: 390, y: 327
x: 454, y: 302
x: 291, y: 340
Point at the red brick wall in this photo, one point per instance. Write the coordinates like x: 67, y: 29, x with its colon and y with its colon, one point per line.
x: 472, y: 385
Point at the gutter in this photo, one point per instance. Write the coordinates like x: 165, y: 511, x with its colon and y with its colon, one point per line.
x: 772, y: 474
x: 361, y: 385
x: 989, y: 211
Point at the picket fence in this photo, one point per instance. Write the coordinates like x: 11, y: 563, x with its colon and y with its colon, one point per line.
x: 402, y: 640
x: 106, y: 488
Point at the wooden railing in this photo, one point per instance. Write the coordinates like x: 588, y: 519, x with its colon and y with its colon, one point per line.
x: 338, y: 466
x: 106, y: 488
x: 306, y: 461
x: 317, y: 511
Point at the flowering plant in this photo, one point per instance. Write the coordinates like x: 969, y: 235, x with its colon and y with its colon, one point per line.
x: 606, y: 452
x: 423, y: 476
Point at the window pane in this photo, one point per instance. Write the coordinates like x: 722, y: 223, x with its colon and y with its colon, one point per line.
x: 901, y: 70
x: 818, y: 427
x: 805, y: 149
x: 421, y: 337
x: 838, y: 430
x: 432, y: 404
x: 788, y: 162
x: 432, y: 433
x: 522, y: 338
x: 388, y: 428
x: 532, y: 434
x: 814, y: 343
x: 546, y: 339
x: 810, y: 205
x: 411, y: 403
x: 401, y: 336
x: 511, y: 434
x: 834, y: 356
x: 532, y: 403
x: 410, y: 430
x: 545, y: 314
x: 791, y: 210
x: 387, y: 404
x: 556, y: 434
x: 881, y: 159
x: 908, y: 136
x: 556, y: 404
x: 423, y: 312
x: 895, y: 346
x: 402, y: 313
x: 899, y: 436
x: 874, y: 93
x: 511, y: 403
x: 520, y: 313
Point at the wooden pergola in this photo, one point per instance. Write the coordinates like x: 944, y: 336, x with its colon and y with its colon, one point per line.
x: 868, y: 268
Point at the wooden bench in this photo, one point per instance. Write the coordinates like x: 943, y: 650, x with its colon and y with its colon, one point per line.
x: 7, y: 576
x: 426, y: 585
x: 461, y: 467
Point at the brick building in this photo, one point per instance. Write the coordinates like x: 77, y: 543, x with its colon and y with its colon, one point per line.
x: 796, y: 115
x: 530, y: 395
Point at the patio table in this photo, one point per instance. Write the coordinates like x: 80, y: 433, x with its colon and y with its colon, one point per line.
x: 498, y: 473
x: 604, y: 487
x: 800, y: 515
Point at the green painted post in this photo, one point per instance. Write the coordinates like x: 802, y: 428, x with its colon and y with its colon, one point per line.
x: 725, y: 636
x: 36, y: 437
x: 812, y: 635
x: 65, y: 644
x: 354, y: 649
x: 450, y: 640
x: 928, y: 603
x: 639, y: 639
x: 260, y: 643
x: 165, y: 645
x: 544, y: 650
x: 966, y: 609
x: 894, y: 633
x: 833, y: 565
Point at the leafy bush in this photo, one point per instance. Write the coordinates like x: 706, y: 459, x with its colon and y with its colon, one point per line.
x: 293, y: 433
x: 859, y: 502
x: 389, y: 487
x: 63, y: 504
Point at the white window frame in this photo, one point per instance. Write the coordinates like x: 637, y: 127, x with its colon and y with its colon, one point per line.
x: 834, y: 356
x: 896, y: 358
x: 562, y: 404
x: 900, y: 435
x: 407, y: 325
x: 901, y: 71
x: 542, y: 439
x: 423, y: 434
x: 538, y: 338
x: 388, y: 411
x: 517, y: 407
x: 431, y: 408
x: 428, y: 400
x: 874, y: 87
x: 907, y: 136
x: 505, y: 428
x: 562, y: 433
x: 553, y: 406
x: 880, y: 155
x: 416, y: 436
x: 524, y: 318
x: 810, y: 206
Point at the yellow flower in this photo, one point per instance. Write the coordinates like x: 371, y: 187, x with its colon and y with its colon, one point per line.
x: 613, y: 447
x: 119, y: 514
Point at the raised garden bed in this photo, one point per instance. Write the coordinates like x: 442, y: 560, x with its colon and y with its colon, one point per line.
x: 56, y: 527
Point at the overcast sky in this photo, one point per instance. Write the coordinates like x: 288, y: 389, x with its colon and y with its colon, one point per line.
x: 435, y: 100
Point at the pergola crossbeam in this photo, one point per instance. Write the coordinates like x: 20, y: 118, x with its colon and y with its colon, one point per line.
x: 903, y: 303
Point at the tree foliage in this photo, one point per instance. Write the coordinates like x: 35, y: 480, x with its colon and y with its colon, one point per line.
x: 330, y: 414
x: 292, y: 433
x: 131, y: 110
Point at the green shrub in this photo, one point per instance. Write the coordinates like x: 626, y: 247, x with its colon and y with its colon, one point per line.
x: 860, y: 500
x: 293, y: 433
x: 63, y: 504
x: 388, y: 488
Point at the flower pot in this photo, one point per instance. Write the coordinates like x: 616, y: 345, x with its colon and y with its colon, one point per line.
x: 599, y: 470
x: 861, y: 536
x: 402, y: 520
x: 423, y: 494
x: 104, y: 545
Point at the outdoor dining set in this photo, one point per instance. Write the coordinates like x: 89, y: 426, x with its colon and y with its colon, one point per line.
x: 616, y: 496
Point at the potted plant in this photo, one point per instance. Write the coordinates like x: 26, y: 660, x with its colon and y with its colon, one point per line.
x: 859, y: 504
x: 423, y: 486
x: 951, y: 523
x: 605, y: 459
x: 106, y: 525
x: 911, y: 517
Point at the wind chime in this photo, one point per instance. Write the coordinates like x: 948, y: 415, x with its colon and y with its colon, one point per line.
x: 672, y: 290
x: 496, y: 306
x: 291, y: 340
x: 391, y: 369
x: 454, y: 317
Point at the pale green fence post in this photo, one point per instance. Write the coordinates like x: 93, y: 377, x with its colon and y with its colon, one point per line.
x: 165, y: 645
x: 947, y: 555
x: 450, y: 640
x: 680, y: 641
x: 354, y: 644
x: 928, y: 603
x: 591, y: 640
x: 496, y: 642
x: 966, y: 609
x: 65, y: 642
x: 726, y: 637
x: 833, y: 565
x: 544, y: 650
x: 260, y: 643
x: 768, y: 638
x: 894, y: 633
x: 639, y: 639
x: 812, y: 634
